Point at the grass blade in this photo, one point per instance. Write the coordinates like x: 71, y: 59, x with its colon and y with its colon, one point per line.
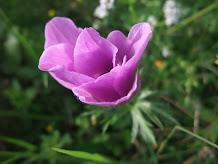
x: 11, y: 160
x: 88, y: 156
x: 19, y: 142
x: 188, y: 132
x: 135, y: 127
x: 143, y: 125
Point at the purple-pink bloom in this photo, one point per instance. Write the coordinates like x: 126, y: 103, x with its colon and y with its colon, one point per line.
x: 99, y: 71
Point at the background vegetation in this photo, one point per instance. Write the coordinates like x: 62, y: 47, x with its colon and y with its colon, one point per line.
x: 179, y: 87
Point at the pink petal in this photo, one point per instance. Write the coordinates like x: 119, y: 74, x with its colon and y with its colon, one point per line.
x: 60, y: 30
x: 124, y: 80
x: 60, y: 54
x: 67, y: 85
x: 102, y: 88
x: 70, y: 76
x: 138, y: 37
x: 58, y: 61
x: 93, y: 54
x: 121, y: 42
x: 88, y: 98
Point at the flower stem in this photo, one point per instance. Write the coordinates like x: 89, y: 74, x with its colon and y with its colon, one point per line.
x: 188, y: 132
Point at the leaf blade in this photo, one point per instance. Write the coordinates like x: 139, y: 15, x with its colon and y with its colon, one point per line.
x: 87, y: 156
x: 18, y: 142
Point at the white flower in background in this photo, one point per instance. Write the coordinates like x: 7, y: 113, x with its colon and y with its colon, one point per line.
x: 152, y: 20
x: 109, y: 4
x: 166, y: 52
x: 95, y: 26
x: 172, y: 12
x: 102, y: 10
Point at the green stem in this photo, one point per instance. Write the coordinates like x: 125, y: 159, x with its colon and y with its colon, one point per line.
x: 193, y: 17
x: 163, y: 144
x: 188, y: 132
x: 197, y: 136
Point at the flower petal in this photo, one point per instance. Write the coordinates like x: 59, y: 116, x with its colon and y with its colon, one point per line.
x: 58, y: 61
x: 138, y: 37
x: 102, y: 89
x: 85, y: 97
x: 60, y: 30
x: 74, y: 78
x: 93, y: 54
x: 67, y: 85
x: 60, y: 54
x: 121, y: 42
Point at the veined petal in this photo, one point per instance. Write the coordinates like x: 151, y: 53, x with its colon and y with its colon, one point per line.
x: 138, y: 37
x: 111, y: 86
x: 67, y: 85
x: 85, y: 97
x: 75, y: 78
x: 102, y: 89
x: 121, y: 42
x: 60, y: 30
x: 58, y: 61
x: 93, y: 54
x: 60, y: 54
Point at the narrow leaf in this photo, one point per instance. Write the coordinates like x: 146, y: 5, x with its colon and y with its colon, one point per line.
x: 88, y: 156
x: 18, y: 142
x: 145, y: 94
x: 135, y: 127
x: 158, y: 110
x: 163, y: 144
x: 11, y: 160
x: 152, y: 116
x: 144, y: 125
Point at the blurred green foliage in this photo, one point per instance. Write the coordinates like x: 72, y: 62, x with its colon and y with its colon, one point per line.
x: 178, y: 77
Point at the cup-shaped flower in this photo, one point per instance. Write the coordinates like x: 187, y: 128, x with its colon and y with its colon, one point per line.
x: 99, y: 71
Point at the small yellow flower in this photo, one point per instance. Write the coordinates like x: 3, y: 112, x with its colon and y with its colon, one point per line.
x: 79, y: 1
x: 49, y: 129
x: 51, y: 13
x: 159, y: 63
x: 216, y: 62
x: 155, y: 146
x: 73, y: 5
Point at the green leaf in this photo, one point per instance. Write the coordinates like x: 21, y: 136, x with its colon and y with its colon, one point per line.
x: 151, y: 115
x: 87, y: 156
x: 159, y: 111
x: 135, y: 127
x: 140, y: 122
x: 112, y: 117
x: 18, y: 142
x: 146, y: 93
x: 163, y: 144
x: 11, y: 160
